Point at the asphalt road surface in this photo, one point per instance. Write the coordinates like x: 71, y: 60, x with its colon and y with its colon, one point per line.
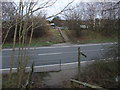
x: 60, y: 54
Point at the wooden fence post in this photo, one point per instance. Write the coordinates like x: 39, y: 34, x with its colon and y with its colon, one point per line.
x: 79, y: 63
x: 60, y: 64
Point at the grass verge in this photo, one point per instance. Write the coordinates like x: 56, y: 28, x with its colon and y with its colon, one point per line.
x: 91, y: 37
x: 96, y: 37
x: 102, y: 73
x: 52, y: 38
x: 37, y: 80
x: 99, y: 73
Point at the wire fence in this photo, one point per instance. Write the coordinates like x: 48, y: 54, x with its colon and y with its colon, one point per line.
x: 56, y: 63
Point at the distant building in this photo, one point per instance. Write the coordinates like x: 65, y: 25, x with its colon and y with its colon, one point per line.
x: 83, y: 26
x: 62, y: 28
x: 52, y: 25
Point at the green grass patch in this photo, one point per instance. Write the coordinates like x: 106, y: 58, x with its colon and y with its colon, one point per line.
x: 33, y: 44
x: 105, y: 40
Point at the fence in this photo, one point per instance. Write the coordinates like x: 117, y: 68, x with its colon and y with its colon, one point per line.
x: 78, y: 82
x: 47, y: 65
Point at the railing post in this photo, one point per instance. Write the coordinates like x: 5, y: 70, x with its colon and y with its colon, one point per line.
x: 79, y: 63
x: 72, y: 84
x: 60, y: 64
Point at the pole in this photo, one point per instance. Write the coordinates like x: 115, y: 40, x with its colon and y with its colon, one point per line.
x: 60, y: 64
x: 79, y: 63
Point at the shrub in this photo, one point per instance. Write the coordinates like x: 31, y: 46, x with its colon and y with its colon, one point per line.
x: 102, y: 73
x: 40, y: 28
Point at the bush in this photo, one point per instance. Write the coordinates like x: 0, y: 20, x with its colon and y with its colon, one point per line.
x: 40, y: 28
x: 74, y: 27
x: 101, y: 73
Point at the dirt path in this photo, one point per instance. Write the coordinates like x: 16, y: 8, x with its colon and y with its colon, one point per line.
x: 63, y: 35
x: 58, y: 79
x: 62, y: 78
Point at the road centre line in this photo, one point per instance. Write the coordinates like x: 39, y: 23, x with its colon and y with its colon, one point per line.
x: 62, y: 46
x: 49, y: 54
x: 57, y: 53
x: 66, y: 52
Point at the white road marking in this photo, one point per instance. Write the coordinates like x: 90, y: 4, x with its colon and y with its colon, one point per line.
x: 57, y: 53
x: 96, y: 50
x: 49, y: 54
x: 62, y: 46
x: 47, y: 66
x: 67, y: 52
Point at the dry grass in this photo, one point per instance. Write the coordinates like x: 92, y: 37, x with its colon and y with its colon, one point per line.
x: 101, y: 73
x: 96, y: 37
x: 52, y: 37
x: 37, y: 80
x: 91, y: 37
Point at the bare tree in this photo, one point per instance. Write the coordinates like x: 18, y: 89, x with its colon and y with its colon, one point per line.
x: 109, y: 14
x: 74, y: 18
x: 24, y: 12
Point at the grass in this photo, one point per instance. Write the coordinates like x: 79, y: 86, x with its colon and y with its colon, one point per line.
x: 37, y: 80
x: 54, y: 37
x: 103, y: 40
x: 96, y: 37
x: 33, y: 44
x: 91, y: 37
x: 101, y: 73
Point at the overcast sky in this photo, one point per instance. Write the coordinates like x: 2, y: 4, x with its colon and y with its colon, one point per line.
x: 60, y: 4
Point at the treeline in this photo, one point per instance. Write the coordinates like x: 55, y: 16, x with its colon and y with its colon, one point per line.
x: 100, y: 17
x: 41, y: 28
x: 23, y: 20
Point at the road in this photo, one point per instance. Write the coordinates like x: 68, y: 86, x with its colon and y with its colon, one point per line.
x: 59, y: 54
